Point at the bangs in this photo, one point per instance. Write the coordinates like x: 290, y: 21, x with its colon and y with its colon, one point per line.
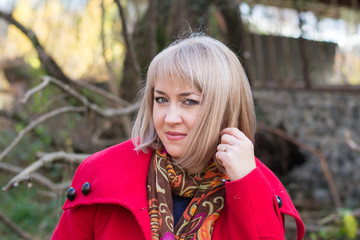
x: 178, y: 65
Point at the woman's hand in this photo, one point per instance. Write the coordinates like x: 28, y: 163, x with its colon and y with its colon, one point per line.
x: 235, y: 153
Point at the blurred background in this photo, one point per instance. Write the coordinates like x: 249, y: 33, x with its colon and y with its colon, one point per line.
x: 70, y: 72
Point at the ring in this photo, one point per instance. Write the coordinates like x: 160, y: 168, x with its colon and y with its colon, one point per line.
x: 224, y: 148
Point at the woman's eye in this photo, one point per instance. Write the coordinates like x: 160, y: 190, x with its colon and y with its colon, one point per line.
x: 160, y: 100
x: 191, y: 102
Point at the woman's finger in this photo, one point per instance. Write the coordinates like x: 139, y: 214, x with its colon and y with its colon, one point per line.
x: 235, y: 132
x: 228, y: 139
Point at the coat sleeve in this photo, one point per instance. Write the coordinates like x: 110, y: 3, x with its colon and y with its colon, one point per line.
x: 251, y: 210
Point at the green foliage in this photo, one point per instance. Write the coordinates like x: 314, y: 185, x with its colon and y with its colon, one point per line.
x: 350, y: 224
x: 95, y: 98
x: 40, y: 101
x: 34, y: 212
x: 27, y: 148
x: 19, y: 126
x: 330, y: 234
x: 313, y: 236
x: 45, y: 137
x: 345, y: 227
x: 30, y: 208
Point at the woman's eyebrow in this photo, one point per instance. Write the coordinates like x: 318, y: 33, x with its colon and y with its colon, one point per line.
x: 159, y: 92
x: 187, y: 94
x: 184, y: 94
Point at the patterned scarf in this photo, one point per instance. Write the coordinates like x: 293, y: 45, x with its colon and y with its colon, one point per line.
x: 205, y: 188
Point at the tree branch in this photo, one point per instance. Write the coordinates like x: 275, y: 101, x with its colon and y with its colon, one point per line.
x: 45, y: 158
x: 32, y: 91
x: 51, y: 66
x: 128, y: 43
x: 323, y: 161
x: 107, y: 112
x: 103, y: 93
x: 36, y: 122
x: 47, y: 61
x: 35, y: 177
x: 13, y: 226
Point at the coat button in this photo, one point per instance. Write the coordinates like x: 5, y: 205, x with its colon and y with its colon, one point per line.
x: 70, y: 193
x: 85, y: 188
x: 279, y: 201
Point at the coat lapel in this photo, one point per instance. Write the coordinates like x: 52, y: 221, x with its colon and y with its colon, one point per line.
x: 116, y: 175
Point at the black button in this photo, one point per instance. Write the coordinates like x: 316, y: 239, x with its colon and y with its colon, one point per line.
x: 279, y: 201
x: 70, y: 193
x: 85, y: 188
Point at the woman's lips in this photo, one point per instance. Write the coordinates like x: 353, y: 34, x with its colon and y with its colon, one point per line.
x: 175, y: 136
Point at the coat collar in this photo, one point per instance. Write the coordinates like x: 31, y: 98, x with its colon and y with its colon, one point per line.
x: 117, y: 175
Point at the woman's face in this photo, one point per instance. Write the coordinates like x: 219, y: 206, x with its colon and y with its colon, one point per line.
x: 175, y: 112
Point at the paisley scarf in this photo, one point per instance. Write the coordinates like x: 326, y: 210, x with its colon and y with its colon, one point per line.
x: 205, y: 188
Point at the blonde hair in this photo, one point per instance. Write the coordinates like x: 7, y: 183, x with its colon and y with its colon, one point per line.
x: 212, y: 68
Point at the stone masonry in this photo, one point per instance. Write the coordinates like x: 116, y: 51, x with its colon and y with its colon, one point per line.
x: 320, y: 119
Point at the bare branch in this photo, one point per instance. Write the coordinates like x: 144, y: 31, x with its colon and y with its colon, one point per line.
x: 46, y: 60
x: 112, y: 112
x: 351, y: 143
x: 103, y: 93
x: 51, y: 66
x: 13, y: 226
x: 323, y: 161
x: 129, y: 46
x: 107, y: 112
x: 32, y: 91
x: 36, y: 122
x: 45, y: 158
x: 35, y: 177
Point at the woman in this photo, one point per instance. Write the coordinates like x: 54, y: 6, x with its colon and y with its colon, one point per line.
x: 190, y: 170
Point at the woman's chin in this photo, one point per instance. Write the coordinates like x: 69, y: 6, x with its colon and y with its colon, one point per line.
x: 175, y: 154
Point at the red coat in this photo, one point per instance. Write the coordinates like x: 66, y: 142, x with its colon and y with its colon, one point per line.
x: 116, y: 206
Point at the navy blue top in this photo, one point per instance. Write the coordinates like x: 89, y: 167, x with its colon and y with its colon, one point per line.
x: 179, y: 206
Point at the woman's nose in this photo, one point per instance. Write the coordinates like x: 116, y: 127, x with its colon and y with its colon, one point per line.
x: 173, y: 115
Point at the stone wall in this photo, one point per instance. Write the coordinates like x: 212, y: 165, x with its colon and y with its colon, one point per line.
x: 320, y: 119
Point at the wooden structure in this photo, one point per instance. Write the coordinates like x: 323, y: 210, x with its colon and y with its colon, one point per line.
x: 277, y: 61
